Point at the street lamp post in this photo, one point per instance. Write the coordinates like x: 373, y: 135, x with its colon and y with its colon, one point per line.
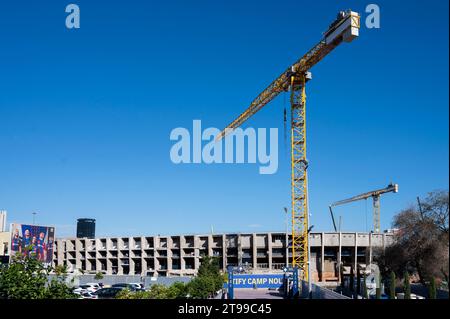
x: 287, y: 236
x: 309, y: 263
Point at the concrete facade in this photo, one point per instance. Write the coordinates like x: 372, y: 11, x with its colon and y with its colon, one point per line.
x: 5, y: 238
x: 3, y: 220
x: 181, y: 255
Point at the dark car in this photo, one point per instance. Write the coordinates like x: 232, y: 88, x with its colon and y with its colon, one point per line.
x: 108, y: 293
x: 126, y: 286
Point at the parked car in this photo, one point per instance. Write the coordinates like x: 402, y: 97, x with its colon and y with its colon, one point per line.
x: 93, y: 286
x: 108, y: 293
x: 78, y: 291
x: 89, y: 295
x: 89, y: 287
x: 131, y: 287
x: 138, y: 286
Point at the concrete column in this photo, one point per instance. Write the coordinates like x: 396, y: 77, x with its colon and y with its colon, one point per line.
x: 196, y: 263
x: 196, y: 252
x: 210, y: 242
x: 155, y: 263
x: 269, y: 249
x: 224, y: 252
x: 143, y: 263
x: 370, y: 248
x: 131, y: 263
x: 339, y: 256
x: 239, y: 248
x: 169, y: 255
x: 119, y: 267
x: 254, y: 251
x: 98, y: 265
x: 322, y: 256
x: 144, y: 266
x: 108, y: 265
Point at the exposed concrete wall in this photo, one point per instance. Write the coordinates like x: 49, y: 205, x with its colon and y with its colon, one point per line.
x: 161, y: 256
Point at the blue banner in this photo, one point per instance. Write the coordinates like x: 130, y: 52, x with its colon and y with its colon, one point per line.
x: 258, y: 281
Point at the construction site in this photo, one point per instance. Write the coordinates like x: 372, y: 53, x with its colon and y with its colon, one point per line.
x: 302, y: 262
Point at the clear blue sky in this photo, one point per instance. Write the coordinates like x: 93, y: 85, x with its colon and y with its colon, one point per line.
x: 86, y: 114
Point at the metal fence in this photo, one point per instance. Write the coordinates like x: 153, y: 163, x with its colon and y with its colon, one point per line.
x: 318, y: 292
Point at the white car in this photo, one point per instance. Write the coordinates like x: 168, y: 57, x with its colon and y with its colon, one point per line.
x: 89, y: 287
x: 80, y: 290
x: 92, y: 286
x: 88, y: 295
x: 137, y: 286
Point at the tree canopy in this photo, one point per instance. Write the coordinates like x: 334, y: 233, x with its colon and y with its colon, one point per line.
x: 206, y: 283
x: 27, y: 278
x: 422, y: 242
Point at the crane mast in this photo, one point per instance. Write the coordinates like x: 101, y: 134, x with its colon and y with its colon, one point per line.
x: 344, y: 29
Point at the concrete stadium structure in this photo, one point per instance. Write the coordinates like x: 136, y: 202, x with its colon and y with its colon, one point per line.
x: 181, y: 255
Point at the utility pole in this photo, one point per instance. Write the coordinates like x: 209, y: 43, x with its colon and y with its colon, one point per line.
x: 340, y: 221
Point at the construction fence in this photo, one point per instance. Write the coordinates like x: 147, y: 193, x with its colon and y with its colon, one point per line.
x: 318, y: 292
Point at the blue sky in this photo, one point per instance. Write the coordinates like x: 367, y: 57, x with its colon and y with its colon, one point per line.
x: 86, y: 114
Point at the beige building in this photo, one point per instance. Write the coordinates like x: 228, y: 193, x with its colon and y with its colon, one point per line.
x: 180, y: 255
x: 3, y: 220
x: 5, y: 238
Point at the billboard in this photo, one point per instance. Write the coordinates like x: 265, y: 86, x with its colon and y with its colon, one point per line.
x: 259, y: 281
x: 33, y: 240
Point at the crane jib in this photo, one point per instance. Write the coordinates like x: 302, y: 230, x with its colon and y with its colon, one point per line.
x: 345, y: 28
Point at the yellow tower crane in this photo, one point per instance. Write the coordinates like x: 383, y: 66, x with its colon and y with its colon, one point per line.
x: 344, y: 29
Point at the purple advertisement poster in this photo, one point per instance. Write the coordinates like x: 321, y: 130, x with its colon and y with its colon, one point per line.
x: 32, y: 240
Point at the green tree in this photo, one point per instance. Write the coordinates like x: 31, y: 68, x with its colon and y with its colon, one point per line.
x: 358, y: 281
x: 365, y: 296
x: 422, y: 244
x: 392, y: 286
x: 407, y: 286
x: 27, y: 278
x: 58, y: 289
x: 378, y: 288
x: 201, y: 287
x: 352, y: 283
x: 177, y: 290
x: 157, y: 291
x: 432, y: 289
x: 208, y: 280
x: 125, y: 294
x: 98, y: 276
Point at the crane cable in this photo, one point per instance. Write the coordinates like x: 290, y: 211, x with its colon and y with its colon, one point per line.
x: 284, y: 125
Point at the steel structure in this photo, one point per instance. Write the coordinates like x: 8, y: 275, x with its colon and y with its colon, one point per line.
x: 376, y: 203
x: 344, y: 29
